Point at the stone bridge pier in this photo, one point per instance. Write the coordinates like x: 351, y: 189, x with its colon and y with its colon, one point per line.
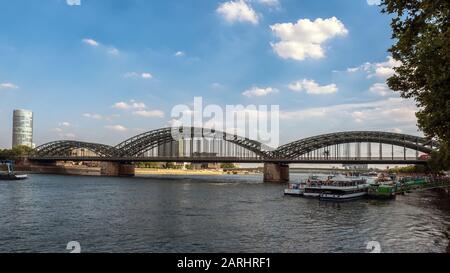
x: 276, y: 172
x: 121, y: 169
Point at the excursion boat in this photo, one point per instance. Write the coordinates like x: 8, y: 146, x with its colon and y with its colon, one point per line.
x: 313, y: 187
x: 295, y: 189
x: 342, y: 189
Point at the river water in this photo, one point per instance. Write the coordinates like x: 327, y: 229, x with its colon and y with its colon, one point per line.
x: 209, y: 214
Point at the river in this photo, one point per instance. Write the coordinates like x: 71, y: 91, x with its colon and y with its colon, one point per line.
x: 209, y: 214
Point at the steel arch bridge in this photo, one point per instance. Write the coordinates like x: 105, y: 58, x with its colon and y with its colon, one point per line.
x: 189, y: 144
x: 145, y: 142
x: 303, y: 147
x: 63, y: 148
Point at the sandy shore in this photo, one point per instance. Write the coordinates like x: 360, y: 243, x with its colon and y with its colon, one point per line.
x: 141, y: 171
x: 178, y: 172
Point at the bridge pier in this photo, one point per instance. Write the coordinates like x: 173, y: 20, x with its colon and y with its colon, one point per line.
x: 117, y: 169
x: 276, y: 172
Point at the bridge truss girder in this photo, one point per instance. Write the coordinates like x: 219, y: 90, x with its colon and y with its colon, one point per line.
x: 65, y: 147
x: 144, y: 142
x: 140, y: 144
x: 304, y: 146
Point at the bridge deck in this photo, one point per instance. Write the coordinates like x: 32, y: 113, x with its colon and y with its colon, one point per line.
x: 395, y: 160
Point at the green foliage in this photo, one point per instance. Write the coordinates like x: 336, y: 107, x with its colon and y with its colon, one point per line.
x: 439, y: 161
x: 15, y: 152
x: 227, y: 166
x: 148, y: 165
x: 156, y: 165
x: 171, y: 165
x: 409, y: 169
x: 422, y: 37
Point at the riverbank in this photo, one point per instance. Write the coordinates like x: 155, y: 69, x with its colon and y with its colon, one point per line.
x: 148, y: 171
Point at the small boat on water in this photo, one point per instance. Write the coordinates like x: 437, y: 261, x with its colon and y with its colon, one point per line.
x: 13, y: 176
x: 295, y: 189
x: 10, y: 174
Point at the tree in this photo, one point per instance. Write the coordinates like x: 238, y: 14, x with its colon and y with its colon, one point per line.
x: 17, y: 151
x: 439, y: 160
x: 422, y: 38
x: 227, y: 166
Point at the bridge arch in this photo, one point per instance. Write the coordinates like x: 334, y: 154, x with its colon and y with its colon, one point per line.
x: 66, y: 147
x: 304, y: 146
x: 147, y: 141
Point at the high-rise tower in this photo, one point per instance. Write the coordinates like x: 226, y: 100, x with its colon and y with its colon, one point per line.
x: 22, y: 128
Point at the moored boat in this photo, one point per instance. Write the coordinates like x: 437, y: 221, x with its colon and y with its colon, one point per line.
x: 13, y: 176
x: 10, y: 174
x: 342, y: 189
x: 382, y: 191
x: 313, y: 187
x: 295, y: 189
x: 383, y: 188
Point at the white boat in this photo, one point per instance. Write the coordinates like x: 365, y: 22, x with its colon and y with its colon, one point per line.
x: 295, y: 189
x: 344, y: 189
x: 343, y: 193
x: 313, y: 187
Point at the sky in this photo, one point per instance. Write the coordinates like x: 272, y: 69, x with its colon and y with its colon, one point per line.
x: 106, y: 70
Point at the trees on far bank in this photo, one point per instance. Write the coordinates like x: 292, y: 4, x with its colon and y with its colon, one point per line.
x: 15, y: 152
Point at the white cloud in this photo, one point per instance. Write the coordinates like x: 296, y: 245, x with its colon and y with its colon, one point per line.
x: 311, y: 87
x: 121, y: 105
x: 237, y: 11
x: 64, y: 124
x: 118, y: 128
x: 305, y: 38
x: 388, y: 112
x: 73, y: 2
x: 179, y: 54
x: 358, y: 116
x: 143, y: 75
x: 8, y: 85
x: 373, y: 2
x: 259, y: 92
x: 216, y: 85
x: 381, y: 89
x: 108, y: 49
x: 129, y: 105
x: 146, y: 75
x: 93, y: 116
x: 149, y: 114
x: 91, y: 42
x: 381, y: 70
x: 271, y: 3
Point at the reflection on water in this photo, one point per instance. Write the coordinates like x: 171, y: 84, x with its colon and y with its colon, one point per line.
x: 209, y: 214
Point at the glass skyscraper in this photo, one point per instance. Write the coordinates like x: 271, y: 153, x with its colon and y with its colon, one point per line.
x: 22, y: 128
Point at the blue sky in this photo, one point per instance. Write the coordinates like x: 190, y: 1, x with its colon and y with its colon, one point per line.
x: 106, y: 70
